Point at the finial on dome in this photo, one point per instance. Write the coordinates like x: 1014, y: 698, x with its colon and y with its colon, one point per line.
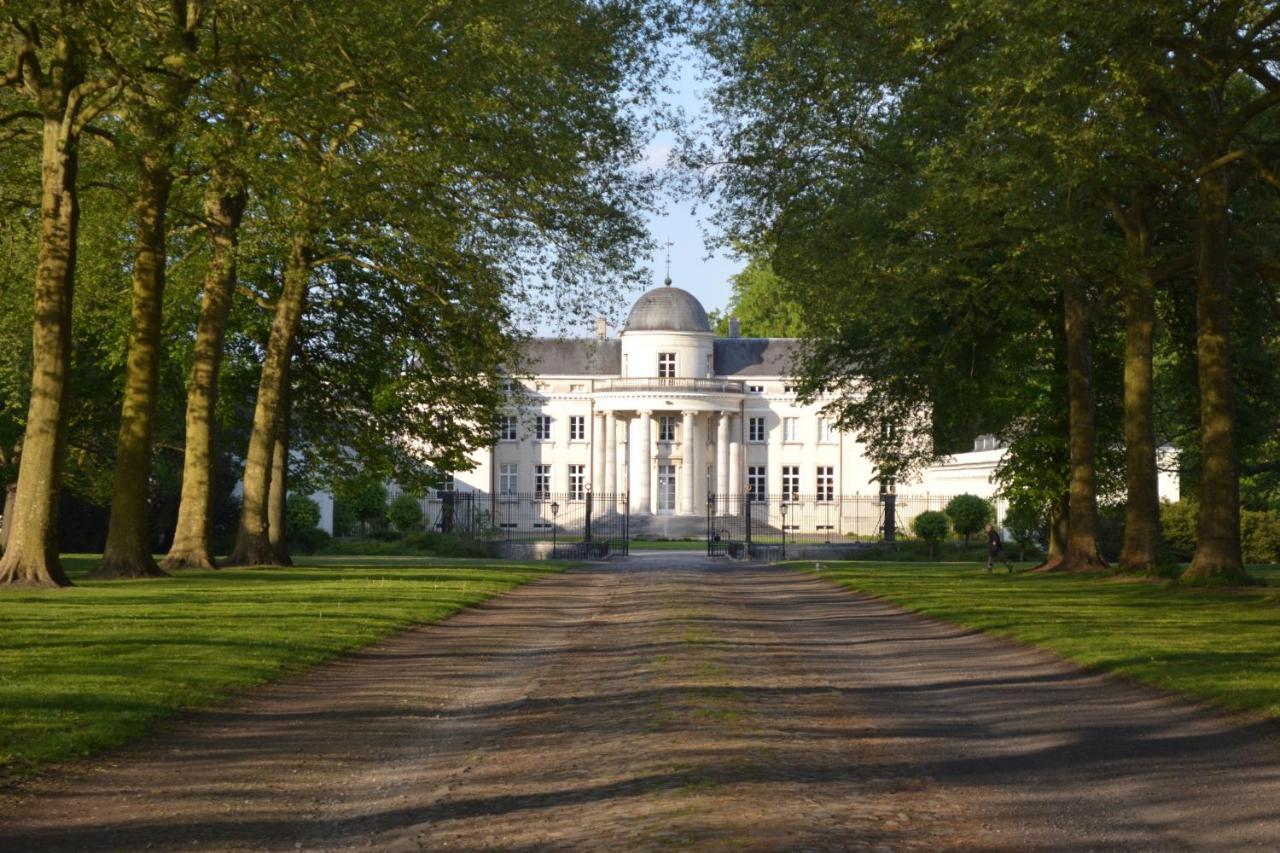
x: 667, y: 281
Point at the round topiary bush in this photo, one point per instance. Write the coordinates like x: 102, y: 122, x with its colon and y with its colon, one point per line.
x: 969, y: 514
x: 932, y: 527
x: 406, y: 513
x: 1024, y: 522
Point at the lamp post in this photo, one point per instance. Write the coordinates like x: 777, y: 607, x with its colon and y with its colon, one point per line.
x: 783, y: 508
x: 555, y: 510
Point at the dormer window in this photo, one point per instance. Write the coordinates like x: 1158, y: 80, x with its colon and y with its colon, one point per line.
x: 666, y: 365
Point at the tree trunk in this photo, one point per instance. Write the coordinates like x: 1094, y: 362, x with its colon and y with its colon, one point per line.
x: 1056, y: 553
x: 278, y: 494
x: 1217, y: 557
x: 128, y: 549
x: 10, y: 503
x: 224, y: 205
x: 253, y: 545
x: 1082, y: 554
x: 1142, y: 507
x: 32, y: 554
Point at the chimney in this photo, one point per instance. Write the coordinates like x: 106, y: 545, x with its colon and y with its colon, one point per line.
x: 602, y: 328
x: 735, y: 328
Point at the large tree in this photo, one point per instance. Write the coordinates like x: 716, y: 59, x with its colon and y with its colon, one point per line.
x: 156, y: 93
x: 52, y: 76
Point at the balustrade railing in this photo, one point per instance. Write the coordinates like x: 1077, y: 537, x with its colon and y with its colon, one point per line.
x: 670, y: 383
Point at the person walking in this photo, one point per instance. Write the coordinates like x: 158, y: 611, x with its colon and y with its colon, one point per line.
x: 995, y: 549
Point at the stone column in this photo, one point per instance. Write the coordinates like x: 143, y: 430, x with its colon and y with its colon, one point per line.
x: 689, y: 469
x: 735, y: 458
x: 722, y: 456
x: 611, y: 456
x: 642, y: 458
x: 597, y: 453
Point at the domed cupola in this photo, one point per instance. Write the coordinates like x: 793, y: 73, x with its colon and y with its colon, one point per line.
x: 667, y: 309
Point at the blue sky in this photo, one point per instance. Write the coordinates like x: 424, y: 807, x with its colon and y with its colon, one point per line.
x: 694, y: 266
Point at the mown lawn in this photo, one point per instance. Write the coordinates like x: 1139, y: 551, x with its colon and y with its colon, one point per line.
x: 91, y: 667
x: 1218, y: 645
x: 668, y: 545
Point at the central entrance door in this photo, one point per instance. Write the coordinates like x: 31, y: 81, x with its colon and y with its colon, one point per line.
x: 666, y: 489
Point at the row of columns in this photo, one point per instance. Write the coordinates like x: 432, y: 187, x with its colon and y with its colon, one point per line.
x: 727, y: 459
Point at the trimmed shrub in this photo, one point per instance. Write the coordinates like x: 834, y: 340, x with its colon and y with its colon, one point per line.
x: 932, y: 527
x: 969, y: 514
x: 406, y: 513
x: 301, y: 513
x: 1178, y: 528
x: 1024, y: 523
x: 1260, y: 536
x: 309, y: 541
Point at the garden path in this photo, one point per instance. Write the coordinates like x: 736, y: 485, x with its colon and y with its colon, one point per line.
x: 671, y: 702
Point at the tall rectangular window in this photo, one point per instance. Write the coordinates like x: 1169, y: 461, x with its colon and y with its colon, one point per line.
x: 541, y: 481
x: 791, y: 482
x: 666, y: 428
x: 508, y: 480
x: 826, y: 483
x: 507, y: 428
x: 826, y: 434
x: 790, y: 429
x: 577, y: 427
x: 543, y: 430
x: 755, y: 429
x: 577, y: 482
x: 666, y: 365
x: 756, y: 483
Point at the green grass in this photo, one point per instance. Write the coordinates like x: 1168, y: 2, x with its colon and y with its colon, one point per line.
x: 92, y: 667
x: 668, y: 544
x: 1222, y: 646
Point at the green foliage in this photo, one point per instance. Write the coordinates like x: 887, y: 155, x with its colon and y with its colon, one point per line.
x: 1260, y: 536
x: 931, y: 526
x: 759, y: 300
x: 1024, y: 524
x: 302, y: 513
x: 1178, y: 528
x: 365, y: 498
x: 406, y: 513
x: 519, y: 206
x: 309, y: 541
x: 969, y: 514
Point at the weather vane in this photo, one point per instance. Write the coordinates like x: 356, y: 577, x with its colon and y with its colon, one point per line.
x: 669, y: 244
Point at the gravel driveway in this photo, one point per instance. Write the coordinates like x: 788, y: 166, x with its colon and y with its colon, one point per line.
x: 671, y: 702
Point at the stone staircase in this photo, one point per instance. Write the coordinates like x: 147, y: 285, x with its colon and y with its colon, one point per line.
x: 667, y: 527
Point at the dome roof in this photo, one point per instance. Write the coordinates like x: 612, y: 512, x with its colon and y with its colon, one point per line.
x: 667, y: 309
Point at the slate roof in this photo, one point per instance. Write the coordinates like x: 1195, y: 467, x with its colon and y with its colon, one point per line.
x: 667, y: 309
x: 574, y: 357
x: 755, y: 356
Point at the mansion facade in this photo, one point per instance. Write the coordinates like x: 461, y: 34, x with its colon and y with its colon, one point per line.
x: 667, y: 414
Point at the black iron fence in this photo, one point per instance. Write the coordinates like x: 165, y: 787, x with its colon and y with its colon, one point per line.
x: 577, y: 524
x: 736, y: 522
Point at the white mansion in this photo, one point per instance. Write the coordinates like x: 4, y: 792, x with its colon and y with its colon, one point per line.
x: 667, y: 414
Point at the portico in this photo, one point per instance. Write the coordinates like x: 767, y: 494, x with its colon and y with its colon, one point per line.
x: 644, y: 437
